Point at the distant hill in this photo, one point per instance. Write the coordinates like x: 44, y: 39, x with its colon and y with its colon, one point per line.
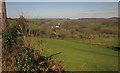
x: 62, y: 21
x: 112, y: 20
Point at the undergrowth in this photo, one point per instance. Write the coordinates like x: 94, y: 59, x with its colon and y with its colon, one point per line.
x: 27, y: 58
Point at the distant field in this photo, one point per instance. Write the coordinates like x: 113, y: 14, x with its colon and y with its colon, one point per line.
x: 103, y: 41
x: 77, y: 55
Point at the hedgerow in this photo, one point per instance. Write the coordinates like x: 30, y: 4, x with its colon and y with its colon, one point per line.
x: 10, y: 38
x: 30, y: 60
x: 26, y: 58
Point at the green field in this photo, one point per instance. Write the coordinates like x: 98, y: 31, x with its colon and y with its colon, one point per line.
x: 81, y: 53
x: 77, y: 55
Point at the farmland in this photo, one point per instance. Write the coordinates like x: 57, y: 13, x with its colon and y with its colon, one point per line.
x: 75, y: 54
x: 55, y: 37
x: 84, y: 45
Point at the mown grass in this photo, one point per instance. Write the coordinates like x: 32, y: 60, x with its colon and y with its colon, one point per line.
x: 77, y: 55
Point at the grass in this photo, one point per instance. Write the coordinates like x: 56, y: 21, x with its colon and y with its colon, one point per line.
x: 103, y: 41
x: 33, y: 26
x: 77, y: 55
x: 12, y: 22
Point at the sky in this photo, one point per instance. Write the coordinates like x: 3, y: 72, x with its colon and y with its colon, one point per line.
x: 62, y: 0
x: 71, y: 10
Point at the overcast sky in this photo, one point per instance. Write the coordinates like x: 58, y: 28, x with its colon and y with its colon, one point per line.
x: 62, y: 9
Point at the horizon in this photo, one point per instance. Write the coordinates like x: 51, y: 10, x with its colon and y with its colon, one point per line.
x: 64, y: 18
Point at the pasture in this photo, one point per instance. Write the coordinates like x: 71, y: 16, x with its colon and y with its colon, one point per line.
x: 77, y: 55
x: 81, y: 53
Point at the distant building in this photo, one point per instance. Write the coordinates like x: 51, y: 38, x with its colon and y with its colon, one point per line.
x: 58, y: 25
